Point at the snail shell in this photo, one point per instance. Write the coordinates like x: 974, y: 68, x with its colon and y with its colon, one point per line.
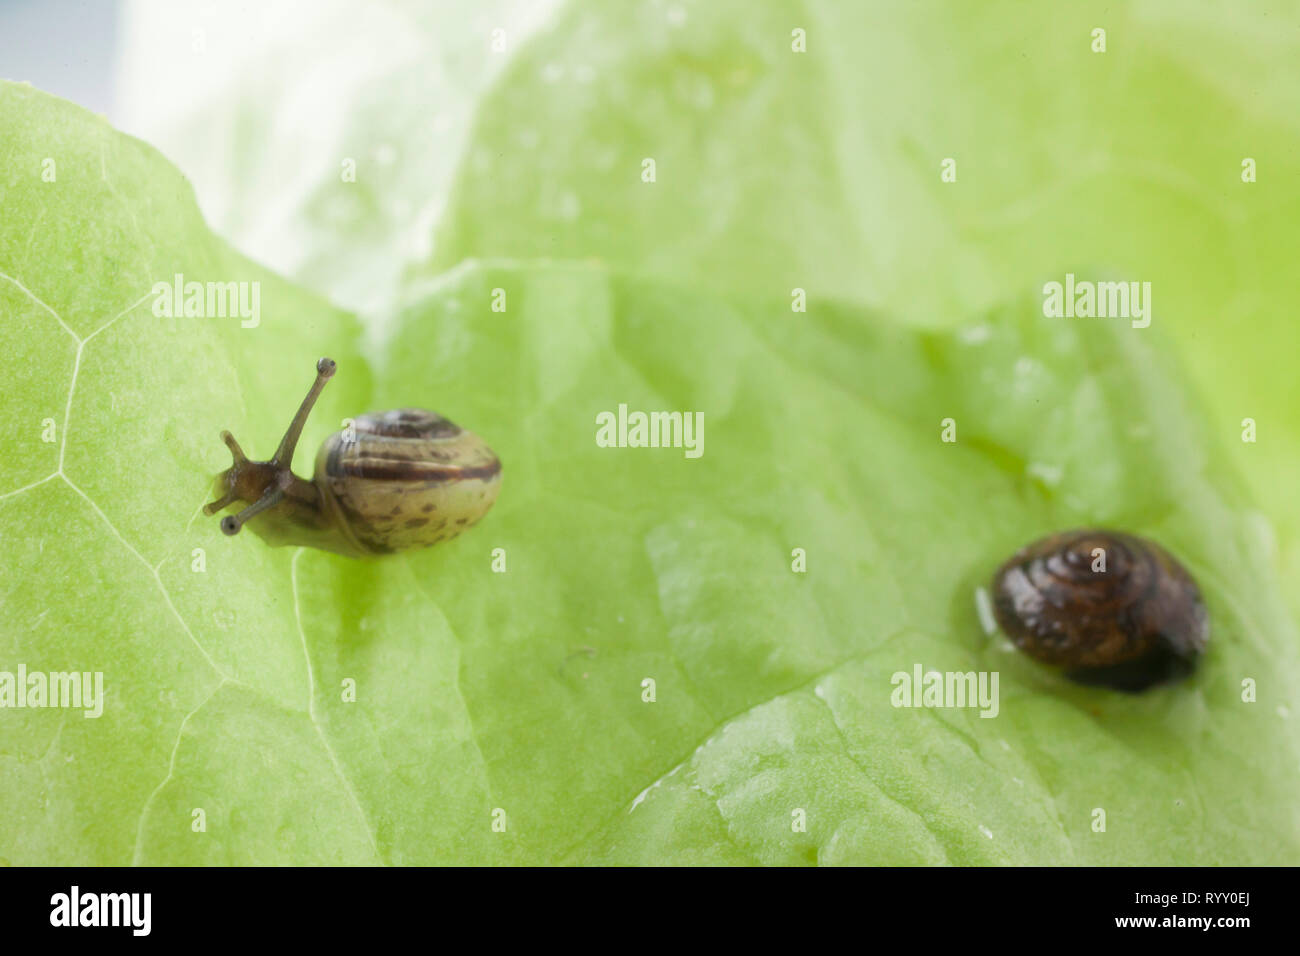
x: 1110, y: 608
x: 410, y: 479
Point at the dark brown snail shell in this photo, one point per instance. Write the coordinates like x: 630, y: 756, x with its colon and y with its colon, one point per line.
x: 1139, y: 622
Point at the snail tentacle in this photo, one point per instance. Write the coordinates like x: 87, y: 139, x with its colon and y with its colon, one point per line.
x: 283, y: 456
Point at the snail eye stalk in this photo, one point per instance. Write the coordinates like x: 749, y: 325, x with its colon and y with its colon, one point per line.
x: 283, y: 456
x: 231, y: 524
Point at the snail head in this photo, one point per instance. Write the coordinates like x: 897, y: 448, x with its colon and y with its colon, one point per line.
x: 262, y: 484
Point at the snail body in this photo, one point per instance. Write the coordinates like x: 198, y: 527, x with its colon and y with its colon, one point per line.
x: 1109, y: 608
x: 394, y: 481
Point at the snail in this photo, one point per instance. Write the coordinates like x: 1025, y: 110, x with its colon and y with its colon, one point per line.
x: 1111, y: 609
x: 395, y: 481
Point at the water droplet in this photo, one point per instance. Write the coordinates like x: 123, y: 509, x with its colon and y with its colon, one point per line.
x: 702, y: 95
x: 1139, y: 430
x: 1027, y: 366
x: 569, y: 206
x: 984, y: 608
x: 1049, y: 475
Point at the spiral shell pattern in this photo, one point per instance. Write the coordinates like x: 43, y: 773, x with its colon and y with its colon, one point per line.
x: 410, y: 479
x: 1111, y: 608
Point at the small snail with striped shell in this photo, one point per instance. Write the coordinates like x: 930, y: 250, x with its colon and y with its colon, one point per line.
x: 1110, y: 608
x: 396, y: 481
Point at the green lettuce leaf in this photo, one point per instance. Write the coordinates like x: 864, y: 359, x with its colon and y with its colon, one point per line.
x: 774, y: 169
x: 518, y: 698
x: 821, y: 170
